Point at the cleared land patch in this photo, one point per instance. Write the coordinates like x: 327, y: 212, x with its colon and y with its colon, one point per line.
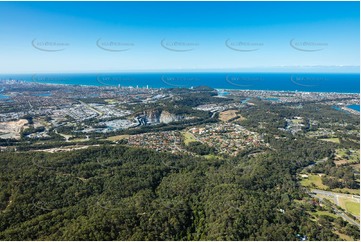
x: 117, y: 137
x: 313, y: 179
x: 344, y: 236
x: 334, y: 140
x: 344, y: 156
x: 319, y: 213
x: 188, y: 137
x: 228, y: 115
x: 12, y: 129
x: 350, y: 205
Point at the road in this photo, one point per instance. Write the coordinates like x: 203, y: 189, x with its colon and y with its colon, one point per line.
x: 90, y: 107
x: 317, y: 162
x: 214, y: 114
x: 335, y: 197
x: 347, y: 218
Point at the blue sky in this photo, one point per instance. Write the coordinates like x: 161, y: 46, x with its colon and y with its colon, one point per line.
x: 40, y: 37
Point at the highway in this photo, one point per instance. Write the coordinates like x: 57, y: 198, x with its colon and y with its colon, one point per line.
x: 335, y: 196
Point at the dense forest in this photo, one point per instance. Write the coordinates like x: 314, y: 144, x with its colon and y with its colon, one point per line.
x: 123, y: 193
x: 116, y: 192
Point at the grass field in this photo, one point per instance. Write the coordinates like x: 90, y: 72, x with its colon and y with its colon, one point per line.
x: 353, y: 208
x: 347, y: 155
x: 117, y: 137
x: 211, y: 157
x: 350, y: 205
x: 344, y: 236
x: 319, y: 213
x: 334, y: 140
x: 317, y: 181
x: 313, y: 179
x: 188, y: 137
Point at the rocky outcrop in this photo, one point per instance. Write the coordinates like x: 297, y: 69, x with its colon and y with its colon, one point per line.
x: 152, y: 116
x: 155, y: 116
x: 167, y: 117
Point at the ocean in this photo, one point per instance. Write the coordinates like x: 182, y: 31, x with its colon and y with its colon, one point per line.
x: 340, y: 83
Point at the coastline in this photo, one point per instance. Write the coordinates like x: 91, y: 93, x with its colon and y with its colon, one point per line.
x: 288, y: 91
x: 350, y: 110
x: 215, y: 88
x: 343, y: 83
